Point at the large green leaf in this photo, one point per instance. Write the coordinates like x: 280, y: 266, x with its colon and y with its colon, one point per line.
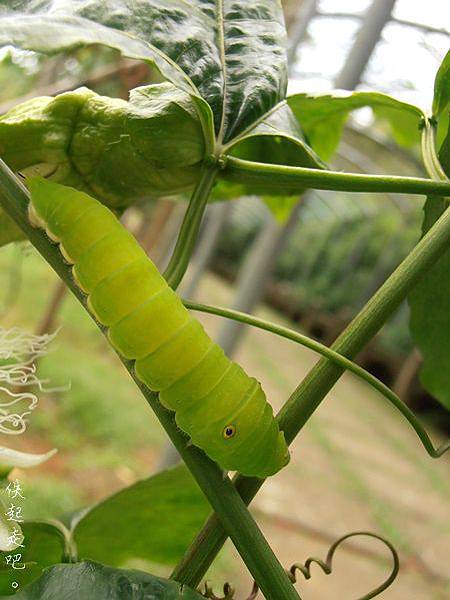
x: 44, y: 545
x: 323, y: 116
x: 230, y: 53
x: 93, y: 581
x: 154, y: 519
x: 430, y: 305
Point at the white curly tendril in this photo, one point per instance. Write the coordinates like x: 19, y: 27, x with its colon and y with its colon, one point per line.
x: 19, y: 351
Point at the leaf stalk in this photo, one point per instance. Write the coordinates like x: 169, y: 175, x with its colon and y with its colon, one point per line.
x: 282, y: 179
x: 188, y: 234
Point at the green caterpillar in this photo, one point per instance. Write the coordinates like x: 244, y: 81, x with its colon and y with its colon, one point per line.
x: 221, y: 408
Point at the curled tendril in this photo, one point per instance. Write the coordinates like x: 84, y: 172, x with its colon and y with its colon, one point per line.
x: 13, y: 424
x: 327, y: 566
x: 16, y: 398
x: 24, y: 374
x: 228, y: 592
x: 20, y: 345
x: 19, y: 351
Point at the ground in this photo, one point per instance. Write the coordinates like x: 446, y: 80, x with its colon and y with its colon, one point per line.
x: 357, y: 465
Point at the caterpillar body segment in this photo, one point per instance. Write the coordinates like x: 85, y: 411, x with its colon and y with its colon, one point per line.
x: 152, y: 368
x: 106, y: 300
x: 198, y: 382
x: 127, y: 335
x: 222, y: 409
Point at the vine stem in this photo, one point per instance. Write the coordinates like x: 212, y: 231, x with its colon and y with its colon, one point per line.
x: 282, y: 179
x: 187, y: 236
x: 337, y: 358
x: 217, y: 487
x: 429, y: 155
x: 321, y: 379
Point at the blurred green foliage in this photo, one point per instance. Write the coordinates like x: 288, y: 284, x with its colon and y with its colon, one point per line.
x: 335, y: 259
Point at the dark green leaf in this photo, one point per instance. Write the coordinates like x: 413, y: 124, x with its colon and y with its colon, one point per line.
x: 230, y: 53
x: 442, y: 87
x: 323, y: 116
x: 235, y: 54
x: 430, y: 305
x: 44, y: 545
x: 154, y: 519
x: 93, y: 581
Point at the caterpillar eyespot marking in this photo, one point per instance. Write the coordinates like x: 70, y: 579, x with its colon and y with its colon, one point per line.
x: 229, y: 432
x: 213, y: 398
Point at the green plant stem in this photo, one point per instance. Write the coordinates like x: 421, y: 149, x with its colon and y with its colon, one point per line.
x: 281, y: 179
x: 337, y: 358
x: 430, y: 158
x: 320, y: 380
x: 234, y: 515
x: 187, y: 237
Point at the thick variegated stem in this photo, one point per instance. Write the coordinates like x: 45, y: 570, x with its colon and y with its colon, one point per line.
x: 281, y: 179
x: 316, y: 385
x: 223, y: 497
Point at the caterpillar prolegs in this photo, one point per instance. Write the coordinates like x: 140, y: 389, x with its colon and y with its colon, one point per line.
x: 221, y: 408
